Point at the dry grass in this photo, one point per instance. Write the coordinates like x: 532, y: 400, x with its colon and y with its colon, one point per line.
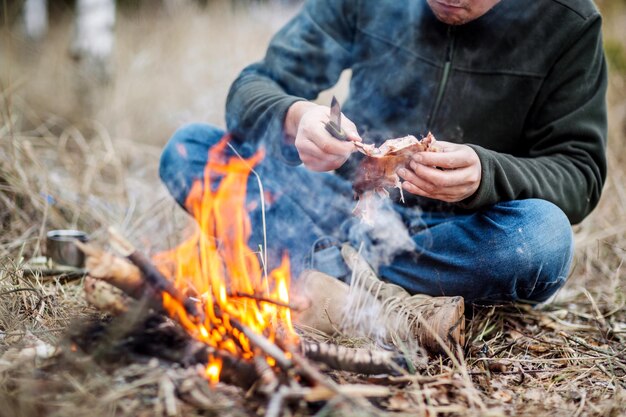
x: 64, y: 166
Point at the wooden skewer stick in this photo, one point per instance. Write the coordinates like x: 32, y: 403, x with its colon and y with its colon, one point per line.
x: 152, y: 275
x: 297, y: 307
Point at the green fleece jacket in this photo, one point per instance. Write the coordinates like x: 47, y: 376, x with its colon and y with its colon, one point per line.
x: 524, y: 85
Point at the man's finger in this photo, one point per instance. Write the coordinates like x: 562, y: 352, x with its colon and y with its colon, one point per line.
x: 310, y: 153
x: 321, y: 165
x: 314, y: 158
x: 458, y: 158
x: 329, y: 145
x: 353, y: 136
x: 414, y: 189
x: 425, y: 188
x: 451, y: 196
x: 350, y: 129
x: 441, y: 179
x: 325, y: 149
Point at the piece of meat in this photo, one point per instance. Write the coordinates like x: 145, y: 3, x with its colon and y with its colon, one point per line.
x: 377, y: 171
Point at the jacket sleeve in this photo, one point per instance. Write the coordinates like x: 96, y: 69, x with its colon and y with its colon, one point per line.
x: 304, y: 58
x: 566, y: 130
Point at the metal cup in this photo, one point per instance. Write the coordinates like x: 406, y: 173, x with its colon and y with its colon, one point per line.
x: 60, y: 247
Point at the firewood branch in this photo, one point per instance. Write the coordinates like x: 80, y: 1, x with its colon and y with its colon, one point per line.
x: 269, y: 348
x: 132, y: 280
x: 364, y: 361
x: 293, y: 306
x: 151, y: 274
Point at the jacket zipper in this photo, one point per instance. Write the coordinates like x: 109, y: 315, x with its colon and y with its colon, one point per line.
x: 444, y: 77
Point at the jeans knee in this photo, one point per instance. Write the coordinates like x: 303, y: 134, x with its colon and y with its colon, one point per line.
x: 544, y: 247
x: 184, y: 156
x: 184, y: 141
x: 551, y: 228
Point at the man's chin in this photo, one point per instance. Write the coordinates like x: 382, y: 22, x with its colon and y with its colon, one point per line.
x: 449, y: 15
x: 452, y: 20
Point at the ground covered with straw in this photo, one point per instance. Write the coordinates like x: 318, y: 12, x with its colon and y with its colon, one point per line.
x: 63, y: 167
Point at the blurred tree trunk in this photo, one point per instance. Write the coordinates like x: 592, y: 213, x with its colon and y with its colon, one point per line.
x: 35, y: 19
x: 92, y: 45
x: 92, y: 48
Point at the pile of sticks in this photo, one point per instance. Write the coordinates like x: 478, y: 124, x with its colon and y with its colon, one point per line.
x: 115, y: 282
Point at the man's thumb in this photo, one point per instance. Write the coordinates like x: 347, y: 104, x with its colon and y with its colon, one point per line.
x: 353, y: 135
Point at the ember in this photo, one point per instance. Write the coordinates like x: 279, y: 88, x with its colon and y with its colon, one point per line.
x: 228, y: 279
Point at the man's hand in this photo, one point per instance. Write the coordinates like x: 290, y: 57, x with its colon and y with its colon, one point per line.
x: 451, y: 175
x: 318, y: 150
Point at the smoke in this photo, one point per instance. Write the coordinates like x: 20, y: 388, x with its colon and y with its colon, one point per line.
x: 371, y: 309
x: 383, y: 236
x: 363, y: 315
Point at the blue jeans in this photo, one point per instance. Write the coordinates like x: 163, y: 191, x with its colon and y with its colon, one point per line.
x: 513, y: 251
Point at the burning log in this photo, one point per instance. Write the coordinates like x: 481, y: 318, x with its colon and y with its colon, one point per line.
x: 112, y: 279
x: 234, y: 370
x: 151, y: 274
x: 140, y: 335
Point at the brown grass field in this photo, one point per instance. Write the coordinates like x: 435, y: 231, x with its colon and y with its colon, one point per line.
x: 68, y: 164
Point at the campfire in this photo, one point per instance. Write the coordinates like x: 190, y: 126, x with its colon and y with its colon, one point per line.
x: 235, y: 311
x: 234, y: 294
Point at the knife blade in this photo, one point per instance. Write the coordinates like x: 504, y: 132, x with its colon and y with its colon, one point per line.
x: 333, y: 126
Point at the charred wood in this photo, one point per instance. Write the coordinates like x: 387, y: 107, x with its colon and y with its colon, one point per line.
x: 140, y: 335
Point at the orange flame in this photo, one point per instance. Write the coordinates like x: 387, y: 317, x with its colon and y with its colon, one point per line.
x: 213, y: 370
x: 215, y: 265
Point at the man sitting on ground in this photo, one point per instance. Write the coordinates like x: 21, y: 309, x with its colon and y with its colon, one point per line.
x: 514, y: 91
